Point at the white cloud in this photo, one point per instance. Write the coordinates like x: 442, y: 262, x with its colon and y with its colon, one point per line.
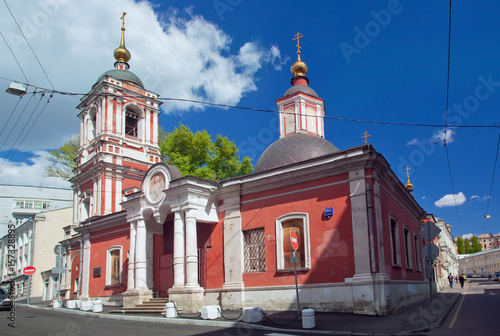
x: 475, y: 197
x: 424, y: 197
x: 467, y: 236
x: 176, y: 54
x: 451, y: 200
x: 30, y: 173
x: 412, y: 142
x: 440, y: 135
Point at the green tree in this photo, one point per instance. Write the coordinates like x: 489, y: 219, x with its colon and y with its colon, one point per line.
x: 476, y: 245
x: 467, y: 247
x: 197, y: 155
x: 460, y: 245
x: 63, y: 159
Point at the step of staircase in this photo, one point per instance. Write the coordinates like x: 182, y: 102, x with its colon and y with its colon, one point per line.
x: 152, y: 306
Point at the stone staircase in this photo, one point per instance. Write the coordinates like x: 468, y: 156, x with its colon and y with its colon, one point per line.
x: 153, y: 306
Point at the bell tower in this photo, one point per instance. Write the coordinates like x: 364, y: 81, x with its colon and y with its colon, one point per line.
x: 118, y: 138
x: 301, y: 109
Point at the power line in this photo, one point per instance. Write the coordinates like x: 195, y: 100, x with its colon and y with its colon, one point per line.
x: 12, y: 52
x: 33, y: 51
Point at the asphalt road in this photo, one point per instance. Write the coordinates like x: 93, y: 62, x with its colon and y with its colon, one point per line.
x: 477, y: 312
x: 40, y: 322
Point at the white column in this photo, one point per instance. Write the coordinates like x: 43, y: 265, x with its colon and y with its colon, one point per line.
x: 107, y: 192
x: 140, y: 255
x: 85, y: 267
x: 118, y: 194
x: 178, y: 250
x: 191, y: 250
x: 131, y: 258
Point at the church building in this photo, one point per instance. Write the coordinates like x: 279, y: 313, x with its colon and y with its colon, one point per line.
x: 143, y: 230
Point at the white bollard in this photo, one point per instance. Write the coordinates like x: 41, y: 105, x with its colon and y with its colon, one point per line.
x: 78, y: 304
x: 97, y: 306
x: 170, y: 311
x: 86, y: 305
x: 210, y: 312
x: 56, y: 304
x: 252, y: 314
x: 71, y: 304
x: 308, y: 321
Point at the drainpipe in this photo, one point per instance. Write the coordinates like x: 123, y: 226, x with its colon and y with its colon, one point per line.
x: 370, y: 227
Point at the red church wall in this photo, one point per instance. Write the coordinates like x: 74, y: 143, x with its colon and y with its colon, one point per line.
x: 405, y: 218
x: 100, y: 242
x: 75, y: 273
x: 330, y: 239
x: 215, y: 257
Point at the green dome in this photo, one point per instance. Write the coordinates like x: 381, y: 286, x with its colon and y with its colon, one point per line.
x: 123, y: 75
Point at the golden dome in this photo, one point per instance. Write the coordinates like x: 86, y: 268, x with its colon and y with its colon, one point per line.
x: 121, y: 53
x: 299, y: 68
x: 409, y: 185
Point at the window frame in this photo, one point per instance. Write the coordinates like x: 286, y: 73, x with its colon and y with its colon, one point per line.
x: 246, y: 251
x: 395, y: 242
x: 407, y: 247
x: 109, y: 266
x: 280, y: 262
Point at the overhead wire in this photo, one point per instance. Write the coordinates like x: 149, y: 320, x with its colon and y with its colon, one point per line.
x: 491, y: 186
x: 15, y: 58
x: 32, y: 50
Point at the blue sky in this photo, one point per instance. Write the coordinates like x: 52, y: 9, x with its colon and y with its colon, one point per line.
x: 369, y: 60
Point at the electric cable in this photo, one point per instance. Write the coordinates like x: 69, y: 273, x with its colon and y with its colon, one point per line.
x: 491, y: 186
x: 33, y: 51
x: 15, y: 124
x: 12, y: 52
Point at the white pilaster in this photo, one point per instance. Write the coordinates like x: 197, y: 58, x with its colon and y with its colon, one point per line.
x: 131, y: 258
x: 140, y: 256
x: 85, y: 267
x: 107, y: 193
x: 191, y: 250
x: 118, y: 194
x: 178, y: 250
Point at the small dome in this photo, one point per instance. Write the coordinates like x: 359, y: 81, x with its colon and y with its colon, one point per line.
x: 123, y: 75
x: 122, y: 55
x: 301, y: 88
x: 299, y: 68
x: 294, y: 148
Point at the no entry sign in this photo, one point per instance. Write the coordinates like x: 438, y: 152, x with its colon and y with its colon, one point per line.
x: 294, y: 241
x: 29, y: 270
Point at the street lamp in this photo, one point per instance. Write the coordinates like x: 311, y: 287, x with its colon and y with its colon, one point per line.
x: 16, y: 89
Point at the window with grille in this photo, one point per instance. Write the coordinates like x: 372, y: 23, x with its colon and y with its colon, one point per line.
x: 255, y: 250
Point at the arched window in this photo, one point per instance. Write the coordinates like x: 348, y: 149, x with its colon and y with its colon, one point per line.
x: 407, y: 238
x: 113, y: 266
x: 131, y: 123
x: 311, y: 120
x: 298, y: 222
x: 289, y: 120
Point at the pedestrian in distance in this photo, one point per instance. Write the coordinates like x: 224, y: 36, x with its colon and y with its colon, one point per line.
x: 450, y: 279
x: 456, y: 278
x: 462, y: 280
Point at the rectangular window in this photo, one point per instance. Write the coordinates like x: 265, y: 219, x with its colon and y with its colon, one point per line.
x: 396, y: 259
x: 254, y: 250
x: 407, y: 239
x: 115, y: 267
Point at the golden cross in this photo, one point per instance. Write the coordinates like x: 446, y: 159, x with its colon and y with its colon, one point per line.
x: 298, y: 36
x: 408, y: 172
x: 365, y: 136
x: 123, y: 19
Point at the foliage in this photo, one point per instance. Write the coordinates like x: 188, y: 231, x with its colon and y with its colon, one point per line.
x: 467, y: 247
x: 197, y: 155
x: 62, y: 159
x: 460, y: 245
x: 476, y: 245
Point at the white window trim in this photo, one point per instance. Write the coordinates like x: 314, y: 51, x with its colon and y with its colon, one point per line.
x: 279, y: 241
x: 108, y: 265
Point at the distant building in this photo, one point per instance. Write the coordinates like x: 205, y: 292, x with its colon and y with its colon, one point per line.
x: 19, y: 203
x: 489, y: 241
x: 483, y: 263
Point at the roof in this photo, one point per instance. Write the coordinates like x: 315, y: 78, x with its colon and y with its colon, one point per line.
x: 301, y: 88
x: 294, y: 148
x: 123, y: 75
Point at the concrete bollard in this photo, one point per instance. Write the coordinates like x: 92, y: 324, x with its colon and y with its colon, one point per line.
x: 252, y: 314
x: 56, y: 304
x: 86, y: 305
x: 71, y: 304
x: 170, y: 311
x: 97, y: 306
x: 210, y: 312
x: 308, y: 320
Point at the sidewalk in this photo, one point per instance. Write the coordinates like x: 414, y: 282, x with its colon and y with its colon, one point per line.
x: 420, y: 317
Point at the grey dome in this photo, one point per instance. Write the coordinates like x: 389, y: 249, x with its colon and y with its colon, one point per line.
x: 294, y: 148
x: 301, y: 88
x: 123, y: 75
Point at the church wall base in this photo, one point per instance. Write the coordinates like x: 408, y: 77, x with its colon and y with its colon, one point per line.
x: 187, y: 300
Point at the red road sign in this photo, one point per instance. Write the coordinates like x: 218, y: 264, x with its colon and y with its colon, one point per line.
x: 294, y: 241
x: 29, y: 270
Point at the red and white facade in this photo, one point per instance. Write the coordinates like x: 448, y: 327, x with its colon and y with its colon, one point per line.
x: 143, y: 230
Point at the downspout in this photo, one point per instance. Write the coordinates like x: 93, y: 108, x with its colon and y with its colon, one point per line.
x: 370, y: 227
